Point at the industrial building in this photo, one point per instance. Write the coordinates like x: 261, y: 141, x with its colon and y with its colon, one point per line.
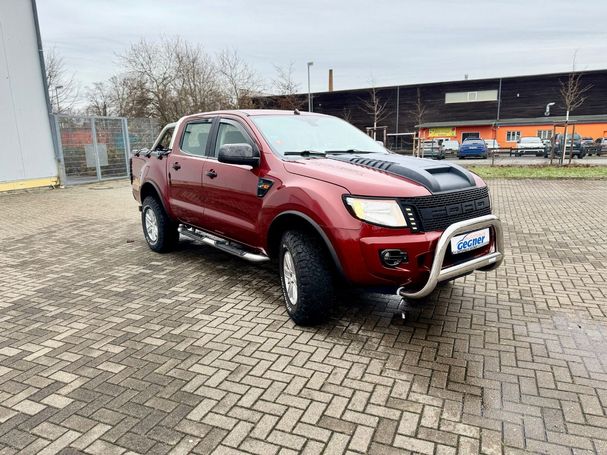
x: 497, y: 108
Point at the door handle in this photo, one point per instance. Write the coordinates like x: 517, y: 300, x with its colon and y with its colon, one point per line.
x: 212, y: 174
x: 176, y: 166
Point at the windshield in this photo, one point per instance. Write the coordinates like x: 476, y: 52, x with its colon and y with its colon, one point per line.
x: 530, y: 140
x: 313, y: 133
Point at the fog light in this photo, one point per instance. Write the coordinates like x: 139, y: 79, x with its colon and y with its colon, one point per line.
x: 393, y: 257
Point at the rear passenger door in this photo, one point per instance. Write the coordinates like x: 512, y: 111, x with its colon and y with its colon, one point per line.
x: 185, y: 165
x: 231, y: 203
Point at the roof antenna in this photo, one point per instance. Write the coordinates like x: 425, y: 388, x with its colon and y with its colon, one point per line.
x: 296, y: 112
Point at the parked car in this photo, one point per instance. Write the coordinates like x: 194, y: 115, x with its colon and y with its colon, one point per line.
x: 320, y: 198
x: 601, y: 146
x: 472, y: 147
x: 450, y: 146
x: 589, y: 146
x: 573, y: 146
x: 530, y: 145
x: 432, y: 149
x: 492, y: 144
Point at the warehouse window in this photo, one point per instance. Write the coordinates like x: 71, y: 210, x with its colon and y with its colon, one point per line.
x: 544, y: 134
x: 513, y: 136
x: 471, y: 97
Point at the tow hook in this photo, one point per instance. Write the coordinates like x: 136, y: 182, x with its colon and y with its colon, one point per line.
x: 402, y: 308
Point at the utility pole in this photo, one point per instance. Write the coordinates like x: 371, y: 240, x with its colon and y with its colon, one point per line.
x: 57, y: 88
x: 497, y: 116
x: 309, y: 92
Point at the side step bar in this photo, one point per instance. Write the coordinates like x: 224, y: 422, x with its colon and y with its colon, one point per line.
x: 221, y: 244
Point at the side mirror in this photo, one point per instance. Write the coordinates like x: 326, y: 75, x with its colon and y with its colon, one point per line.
x: 380, y: 143
x: 238, y: 154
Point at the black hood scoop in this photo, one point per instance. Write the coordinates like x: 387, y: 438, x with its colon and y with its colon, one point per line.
x: 435, y: 176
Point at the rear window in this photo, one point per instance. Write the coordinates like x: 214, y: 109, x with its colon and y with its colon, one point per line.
x: 474, y: 141
x: 530, y: 139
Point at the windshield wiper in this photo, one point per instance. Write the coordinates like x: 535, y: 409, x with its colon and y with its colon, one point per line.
x: 306, y: 153
x: 336, y: 152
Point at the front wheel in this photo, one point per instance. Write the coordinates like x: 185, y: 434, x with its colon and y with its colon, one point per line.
x: 306, y: 277
x: 159, y: 230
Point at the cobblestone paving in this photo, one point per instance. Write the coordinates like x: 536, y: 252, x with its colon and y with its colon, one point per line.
x: 106, y: 347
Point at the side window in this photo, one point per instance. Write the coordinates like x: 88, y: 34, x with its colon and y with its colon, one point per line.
x: 229, y: 134
x: 195, y: 138
x: 165, y: 141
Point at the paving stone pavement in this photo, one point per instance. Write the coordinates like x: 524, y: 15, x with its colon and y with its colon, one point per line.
x: 107, y: 347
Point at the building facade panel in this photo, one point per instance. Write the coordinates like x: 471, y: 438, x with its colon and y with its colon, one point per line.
x: 27, y: 153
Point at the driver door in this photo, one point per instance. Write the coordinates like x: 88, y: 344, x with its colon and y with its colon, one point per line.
x: 232, y: 206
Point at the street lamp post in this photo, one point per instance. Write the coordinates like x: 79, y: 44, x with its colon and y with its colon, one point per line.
x: 309, y: 92
x: 57, y: 88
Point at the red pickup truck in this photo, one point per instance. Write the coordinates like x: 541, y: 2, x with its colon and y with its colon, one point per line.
x: 320, y: 197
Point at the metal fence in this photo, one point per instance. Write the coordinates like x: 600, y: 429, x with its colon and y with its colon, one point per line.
x: 98, y: 148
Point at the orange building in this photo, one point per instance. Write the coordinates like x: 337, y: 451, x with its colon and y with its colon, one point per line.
x: 507, y: 131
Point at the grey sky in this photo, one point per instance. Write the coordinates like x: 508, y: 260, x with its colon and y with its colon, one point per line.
x: 391, y: 41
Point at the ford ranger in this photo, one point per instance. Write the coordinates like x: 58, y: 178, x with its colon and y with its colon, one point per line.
x: 319, y: 197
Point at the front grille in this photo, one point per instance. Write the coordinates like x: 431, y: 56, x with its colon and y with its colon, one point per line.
x: 439, y: 211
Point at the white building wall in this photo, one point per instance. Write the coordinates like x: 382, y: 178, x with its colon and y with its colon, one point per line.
x: 26, y: 144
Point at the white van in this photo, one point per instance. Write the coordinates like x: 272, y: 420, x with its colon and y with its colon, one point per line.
x: 450, y: 145
x: 492, y: 144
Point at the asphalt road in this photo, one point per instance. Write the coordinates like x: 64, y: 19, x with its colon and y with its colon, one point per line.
x: 527, y: 160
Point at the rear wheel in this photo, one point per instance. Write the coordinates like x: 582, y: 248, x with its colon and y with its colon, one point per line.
x: 159, y: 230
x: 306, y: 277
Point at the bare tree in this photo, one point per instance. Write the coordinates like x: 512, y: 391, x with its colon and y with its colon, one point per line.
x: 121, y: 96
x: 63, y: 88
x: 198, y: 86
x: 418, y: 113
x: 169, y: 78
x: 573, y: 94
x: 172, y: 76
x: 375, y: 107
x: 347, y: 114
x: 286, y: 87
x: 99, y: 99
x: 240, y: 82
x: 153, y: 64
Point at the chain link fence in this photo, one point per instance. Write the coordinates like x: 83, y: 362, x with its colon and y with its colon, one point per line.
x: 98, y: 148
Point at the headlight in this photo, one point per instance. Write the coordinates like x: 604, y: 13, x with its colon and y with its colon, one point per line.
x: 385, y: 212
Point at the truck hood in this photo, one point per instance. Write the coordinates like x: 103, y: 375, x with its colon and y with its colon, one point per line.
x: 385, y: 174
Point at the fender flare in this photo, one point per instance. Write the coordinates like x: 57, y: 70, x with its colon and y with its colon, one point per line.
x: 157, y: 189
x: 320, y: 232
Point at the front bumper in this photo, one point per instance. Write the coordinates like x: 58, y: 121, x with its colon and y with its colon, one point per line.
x: 487, y: 262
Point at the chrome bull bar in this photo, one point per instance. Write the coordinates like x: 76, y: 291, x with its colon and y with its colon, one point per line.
x: 485, y: 263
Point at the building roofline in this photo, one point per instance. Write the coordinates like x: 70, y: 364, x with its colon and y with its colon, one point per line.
x: 453, y: 81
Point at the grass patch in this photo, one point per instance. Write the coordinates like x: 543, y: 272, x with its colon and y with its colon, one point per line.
x: 541, y: 172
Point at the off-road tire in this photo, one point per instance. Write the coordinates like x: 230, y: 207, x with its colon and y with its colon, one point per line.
x: 314, y: 277
x: 168, y: 235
